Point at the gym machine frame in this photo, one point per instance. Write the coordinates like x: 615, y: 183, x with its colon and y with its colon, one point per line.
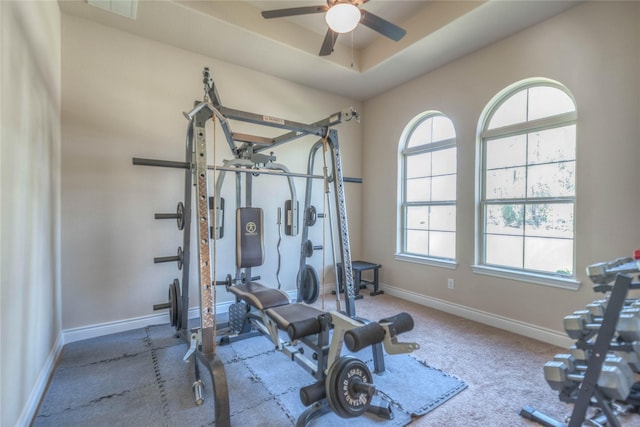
x: 602, y: 274
x: 202, y: 341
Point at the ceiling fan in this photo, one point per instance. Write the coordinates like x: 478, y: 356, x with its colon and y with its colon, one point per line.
x: 342, y: 16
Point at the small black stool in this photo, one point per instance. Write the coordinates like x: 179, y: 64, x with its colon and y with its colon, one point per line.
x: 358, y: 267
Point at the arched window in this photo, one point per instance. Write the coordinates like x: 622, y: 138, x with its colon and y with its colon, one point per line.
x: 527, y: 154
x: 427, y: 189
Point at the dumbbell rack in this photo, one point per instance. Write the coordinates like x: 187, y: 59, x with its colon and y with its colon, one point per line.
x: 598, y: 351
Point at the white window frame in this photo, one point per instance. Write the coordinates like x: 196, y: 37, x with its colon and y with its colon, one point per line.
x: 403, y: 152
x: 556, y: 121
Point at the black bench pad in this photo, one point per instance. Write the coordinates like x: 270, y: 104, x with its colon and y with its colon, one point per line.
x: 284, y: 315
x: 259, y: 296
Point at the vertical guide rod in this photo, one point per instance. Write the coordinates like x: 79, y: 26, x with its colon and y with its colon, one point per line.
x: 186, y: 237
x: 342, y: 223
x: 207, y: 353
x: 204, y: 255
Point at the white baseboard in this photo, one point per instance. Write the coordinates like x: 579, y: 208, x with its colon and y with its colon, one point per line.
x: 511, y: 325
x: 101, y: 329
x: 37, y: 392
x: 98, y: 330
x: 521, y: 328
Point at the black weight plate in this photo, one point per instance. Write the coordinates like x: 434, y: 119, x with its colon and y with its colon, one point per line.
x: 174, y: 301
x: 180, y: 258
x: 180, y: 212
x: 307, y: 248
x: 310, y: 216
x: 343, y: 399
x: 308, y: 284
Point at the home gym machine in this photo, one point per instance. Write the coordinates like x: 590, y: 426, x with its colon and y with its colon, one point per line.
x: 599, y: 370
x: 343, y: 384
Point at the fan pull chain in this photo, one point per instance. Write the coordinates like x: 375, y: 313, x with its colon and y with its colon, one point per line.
x: 352, y: 61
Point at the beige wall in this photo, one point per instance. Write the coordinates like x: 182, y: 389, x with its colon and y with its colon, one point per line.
x: 123, y: 96
x: 593, y: 50
x: 30, y: 209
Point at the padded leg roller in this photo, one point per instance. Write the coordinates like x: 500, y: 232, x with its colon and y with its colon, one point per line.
x: 364, y: 336
x: 312, y: 393
x: 402, y: 322
x: 303, y: 328
x: 395, y: 326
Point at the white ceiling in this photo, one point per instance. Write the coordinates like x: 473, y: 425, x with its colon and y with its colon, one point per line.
x: 360, y: 67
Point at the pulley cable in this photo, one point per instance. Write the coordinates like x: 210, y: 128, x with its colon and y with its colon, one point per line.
x: 278, y: 246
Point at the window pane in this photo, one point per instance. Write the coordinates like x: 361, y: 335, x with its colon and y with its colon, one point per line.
x: 443, y: 218
x: 421, y: 134
x: 444, y: 188
x: 419, y: 190
x: 442, y: 244
x: 444, y: 161
x: 552, y: 180
x: 513, y: 110
x: 504, y: 250
x: 507, y: 183
x: 418, y: 217
x: 550, y: 220
x: 505, y: 219
x: 550, y: 255
x: 418, y: 165
x: 545, y: 101
x: 417, y: 242
x: 442, y: 129
x: 552, y: 145
x: 510, y: 151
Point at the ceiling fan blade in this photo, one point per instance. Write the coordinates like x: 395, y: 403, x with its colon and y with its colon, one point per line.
x: 382, y: 26
x: 328, y: 43
x: 305, y: 10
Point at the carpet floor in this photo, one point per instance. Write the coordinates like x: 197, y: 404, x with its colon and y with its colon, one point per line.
x: 502, y: 373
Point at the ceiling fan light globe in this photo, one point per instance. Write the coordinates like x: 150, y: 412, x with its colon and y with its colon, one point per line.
x: 343, y: 17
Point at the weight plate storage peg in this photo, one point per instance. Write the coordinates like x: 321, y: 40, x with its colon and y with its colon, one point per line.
x: 178, y: 258
x: 178, y: 216
x: 349, y: 387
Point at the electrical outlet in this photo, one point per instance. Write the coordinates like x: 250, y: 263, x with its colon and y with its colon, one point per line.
x: 450, y: 283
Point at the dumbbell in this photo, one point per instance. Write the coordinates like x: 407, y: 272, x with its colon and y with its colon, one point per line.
x: 582, y: 324
x: 632, y: 357
x: 628, y: 326
x: 615, y: 378
x: 597, y: 307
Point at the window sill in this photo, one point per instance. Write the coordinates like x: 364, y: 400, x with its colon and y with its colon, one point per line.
x: 450, y: 264
x: 570, y: 283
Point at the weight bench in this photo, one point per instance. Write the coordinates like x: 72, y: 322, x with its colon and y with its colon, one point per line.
x: 269, y: 311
